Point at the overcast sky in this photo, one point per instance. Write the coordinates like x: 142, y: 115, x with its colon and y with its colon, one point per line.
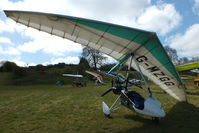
x: 175, y: 21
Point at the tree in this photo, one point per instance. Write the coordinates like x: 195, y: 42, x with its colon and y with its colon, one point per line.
x: 183, y: 60
x: 9, y: 66
x: 60, y: 65
x: 195, y: 59
x: 40, y: 68
x: 94, y: 57
x: 20, y: 71
x: 172, y: 53
x: 1, y: 65
x: 83, y: 63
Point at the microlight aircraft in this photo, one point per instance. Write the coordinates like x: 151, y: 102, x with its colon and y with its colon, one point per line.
x: 76, y: 82
x: 125, y: 44
x: 190, y: 67
x: 131, y: 99
x: 98, y: 76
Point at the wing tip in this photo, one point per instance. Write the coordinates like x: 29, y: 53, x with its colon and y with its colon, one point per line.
x: 6, y: 12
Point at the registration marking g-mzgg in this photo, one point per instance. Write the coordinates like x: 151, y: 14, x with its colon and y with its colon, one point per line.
x: 155, y: 71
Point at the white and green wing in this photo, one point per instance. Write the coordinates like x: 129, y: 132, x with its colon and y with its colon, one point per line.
x: 113, y: 40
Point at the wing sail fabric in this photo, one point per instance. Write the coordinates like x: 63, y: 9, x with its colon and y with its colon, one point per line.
x: 113, y: 40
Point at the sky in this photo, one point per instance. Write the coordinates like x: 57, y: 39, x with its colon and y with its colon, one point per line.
x: 176, y: 23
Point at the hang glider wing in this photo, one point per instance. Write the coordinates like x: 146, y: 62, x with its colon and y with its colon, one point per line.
x: 71, y: 75
x: 114, y: 40
x: 193, y: 67
x: 99, y: 77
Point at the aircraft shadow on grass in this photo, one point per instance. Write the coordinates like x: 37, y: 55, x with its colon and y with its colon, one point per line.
x: 182, y: 118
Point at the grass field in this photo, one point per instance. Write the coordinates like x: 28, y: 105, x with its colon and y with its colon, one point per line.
x: 52, y: 109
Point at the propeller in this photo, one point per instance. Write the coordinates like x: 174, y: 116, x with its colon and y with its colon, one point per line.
x: 106, y: 92
x: 109, y: 89
x: 127, y: 81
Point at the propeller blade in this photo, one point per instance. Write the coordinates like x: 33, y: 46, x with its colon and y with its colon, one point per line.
x: 127, y: 81
x: 106, y: 92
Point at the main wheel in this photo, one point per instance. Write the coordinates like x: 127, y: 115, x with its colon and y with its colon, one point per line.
x: 108, y: 116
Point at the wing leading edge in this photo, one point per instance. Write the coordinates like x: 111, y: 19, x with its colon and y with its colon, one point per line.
x: 113, y: 40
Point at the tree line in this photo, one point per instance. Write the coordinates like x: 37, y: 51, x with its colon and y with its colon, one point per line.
x: 90, y: 59
x: 172, y: 53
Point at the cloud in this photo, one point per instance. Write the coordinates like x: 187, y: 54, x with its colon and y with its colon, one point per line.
x: 109, y: 60
x: 19, y: 63
x: 32, y: 64
x: 9, y: 51
x: 10, y: 26
x: 196, y: 7
x: 40, y: 41
x: 49, y: 44
x: 136, y: 13
x: 187, y: 43
x: 1, y: 49
x: 107, y: 9
x: 162, y: 18
x: 67, y: 60
x: 6, y: 40
x: 53, y: 6
x: 6, y: 27
x: 12, y: 51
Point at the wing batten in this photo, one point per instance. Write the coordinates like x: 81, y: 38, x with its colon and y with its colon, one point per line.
x: 101, y: 37
x: 130, y: 41
x: 74, y: 28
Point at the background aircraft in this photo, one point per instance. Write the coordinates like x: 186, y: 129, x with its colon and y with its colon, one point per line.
x: 190, y: 67
x: 76, y: 82
x: 99, y: 78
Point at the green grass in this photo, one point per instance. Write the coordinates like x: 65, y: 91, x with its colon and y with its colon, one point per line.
x: 188, y: 66
x: 5, y: 78
x: 65, y: 109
